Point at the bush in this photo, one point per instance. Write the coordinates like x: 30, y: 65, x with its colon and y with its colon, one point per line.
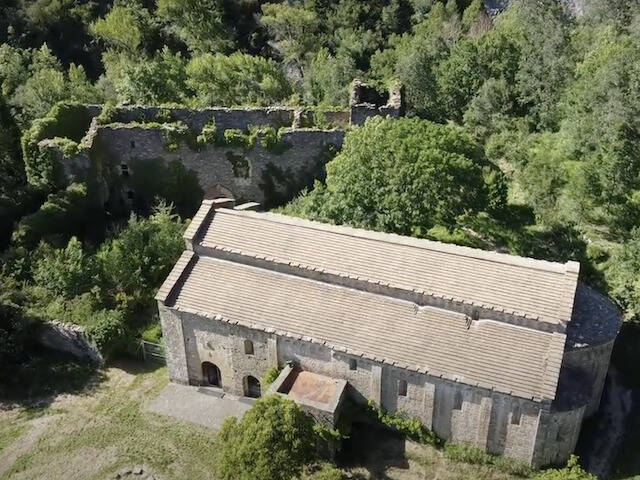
x: 209, y: 133
x: 107, y: 330
x: 64, y: 214
x: 237, y: 138
x: 272, y: 441
x: 410, y: 427
x: 572, y: 471
x: 270, y: 376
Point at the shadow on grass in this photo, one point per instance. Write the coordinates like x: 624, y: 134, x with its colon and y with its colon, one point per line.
x: 374, y: 448
x: 43, y: 375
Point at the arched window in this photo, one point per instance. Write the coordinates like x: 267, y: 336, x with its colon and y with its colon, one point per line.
x: 211, y: 375
x: 252, y: 387
x: 248, y: 347
x: 402, y: 388
x: 457, y: 401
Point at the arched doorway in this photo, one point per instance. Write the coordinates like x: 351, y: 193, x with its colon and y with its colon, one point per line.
x: 252, y: 387
x: 211, y: 375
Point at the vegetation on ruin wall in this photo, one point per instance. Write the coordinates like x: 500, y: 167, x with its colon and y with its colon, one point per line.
x: 66, y: 124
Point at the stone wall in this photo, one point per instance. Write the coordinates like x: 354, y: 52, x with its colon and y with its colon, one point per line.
x: 268, y: 178
x: 593, y: 362
x: 69, y: 339
x: 495, y: 422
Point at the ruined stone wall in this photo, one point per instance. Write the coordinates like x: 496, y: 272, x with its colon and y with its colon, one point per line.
x: 69, y: 339
x: 593, y: 362
x: 263, y: 176
x: 491, y: 421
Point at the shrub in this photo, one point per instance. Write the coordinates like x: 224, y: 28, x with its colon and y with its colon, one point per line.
x: 271, y: 375
x: 411, y: 427
x: 272, y: 441
x: 64, y: 214
x: 107, y: 331
x: 271, y: 141
x: 107, y: 114
x: 324, y: 471
x: 572, y: 471
x: 237, y: 138
x: 64, y: 120
x: 209, y: 133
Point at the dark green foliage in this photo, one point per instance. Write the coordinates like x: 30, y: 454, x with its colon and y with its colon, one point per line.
x: 63, y: 215
x: 14, y: 194
x: 272, y: 441
x: 138, y: 259
x: 64, y: 120
x: 237, y: 138
x: 404, y: 176
x: 14, y: 335
x: 623, y: 275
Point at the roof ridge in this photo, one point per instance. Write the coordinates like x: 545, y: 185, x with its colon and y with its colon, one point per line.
x: 420, y: 243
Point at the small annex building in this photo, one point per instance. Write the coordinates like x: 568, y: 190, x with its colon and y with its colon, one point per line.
x: 505, y: 353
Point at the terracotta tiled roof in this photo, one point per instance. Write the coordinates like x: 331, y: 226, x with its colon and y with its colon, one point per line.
x: 486, y: 353
x: 514, y: 285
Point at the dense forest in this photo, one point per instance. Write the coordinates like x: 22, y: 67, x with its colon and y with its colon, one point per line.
x: 522, y: 135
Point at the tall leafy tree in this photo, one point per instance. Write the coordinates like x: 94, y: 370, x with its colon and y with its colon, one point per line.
x: 404, y: 176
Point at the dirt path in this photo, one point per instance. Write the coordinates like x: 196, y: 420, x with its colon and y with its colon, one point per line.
x: 616, y: 405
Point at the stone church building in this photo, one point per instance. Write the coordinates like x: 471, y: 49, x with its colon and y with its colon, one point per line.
x: 505, y: 353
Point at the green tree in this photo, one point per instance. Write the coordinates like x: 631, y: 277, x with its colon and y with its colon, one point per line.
x: 159, y: 80
x: 293, y: 27
x: 66, y: 272
x: 237, y: 79
x: 272, y: 441
x: 138, y: 259
x: 119, y: 28
x: 623, y: 278
x: 327, y: 81
x: 198, y: 23
x: 404, y: 176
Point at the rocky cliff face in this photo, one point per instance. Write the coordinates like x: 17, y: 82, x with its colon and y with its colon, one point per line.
x: 494, y: 7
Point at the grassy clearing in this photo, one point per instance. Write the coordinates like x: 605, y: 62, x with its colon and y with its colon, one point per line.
x: 92, y: 436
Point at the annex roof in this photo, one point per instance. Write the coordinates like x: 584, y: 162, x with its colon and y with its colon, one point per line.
x: 523, y: 287
x: 485, y: 353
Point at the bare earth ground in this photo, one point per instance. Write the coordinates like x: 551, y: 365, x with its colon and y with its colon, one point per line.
x: 92, y: 435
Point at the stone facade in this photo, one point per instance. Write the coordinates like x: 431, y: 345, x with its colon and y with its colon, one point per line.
x: 531, y: 431
x: 209, y: 327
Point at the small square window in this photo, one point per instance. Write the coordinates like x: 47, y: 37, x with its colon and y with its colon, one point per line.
x: 353, y: 365
x: 402, y: 388
x: 130, y: 194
